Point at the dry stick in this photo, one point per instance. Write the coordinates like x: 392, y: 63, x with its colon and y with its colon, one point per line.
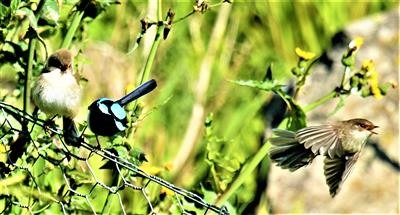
x: 197, y: 116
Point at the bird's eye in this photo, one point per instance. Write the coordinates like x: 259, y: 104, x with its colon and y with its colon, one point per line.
x: 55, y: 62
x: 362, y: 125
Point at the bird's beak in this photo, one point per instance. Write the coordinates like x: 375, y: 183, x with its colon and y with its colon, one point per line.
x: 64, y: 68
x: 371, y: 129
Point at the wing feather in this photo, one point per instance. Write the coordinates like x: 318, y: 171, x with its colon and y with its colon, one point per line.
x: 283, y: 133
x: 287, y: 152
x: 337, y: 170
x: 324, y: 139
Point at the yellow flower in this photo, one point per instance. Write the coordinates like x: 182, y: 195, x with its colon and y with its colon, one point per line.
x: 167, y: 191
x: 356, y: 43
x: 372, y: 74
x: 151, y: 169
x: 304, y: 54
x: 129, y: 88
x: 3, y: 153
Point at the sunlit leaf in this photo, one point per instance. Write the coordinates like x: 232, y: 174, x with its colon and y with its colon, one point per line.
x: 223, y: 167
x: 267, y: 85
x: 3, y: 11
x: 15, y: 179
x: 50, y: 11
x: 14, y: 5
x: 38, y: 167
x: 29, y: 14
x: 297, y: 117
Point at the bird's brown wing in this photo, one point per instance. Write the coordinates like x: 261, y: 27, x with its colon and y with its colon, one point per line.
x: 287, y: 152
x: 337, y: 169
x: 324, y: 140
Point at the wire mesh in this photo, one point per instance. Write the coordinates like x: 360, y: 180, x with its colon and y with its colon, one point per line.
x: 47, y: 177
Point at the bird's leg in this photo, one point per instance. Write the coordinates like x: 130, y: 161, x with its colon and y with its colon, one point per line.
x: 49, y: 123
x: 35, y: 112
x: 98, y: 142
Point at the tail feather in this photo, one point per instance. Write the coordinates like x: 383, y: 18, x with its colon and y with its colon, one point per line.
x: 287, y: 152
x: 71, y: 136
x: 284, y: 133
x: 18, y: 148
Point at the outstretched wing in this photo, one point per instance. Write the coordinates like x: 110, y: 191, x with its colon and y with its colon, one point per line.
x: 337, y: 169
x: 287, y: 152
x: 324, y: 139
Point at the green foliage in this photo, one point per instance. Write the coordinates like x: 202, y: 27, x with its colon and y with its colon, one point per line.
x: 223, y: 166
x: 297, y: 117
x: 221, y: 162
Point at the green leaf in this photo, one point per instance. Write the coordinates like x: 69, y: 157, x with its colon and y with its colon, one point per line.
x: 15, y: 179
x: 230, y: 164
x: 211, y: 196
x: 268, y: 85
x: 51, y: 12
x: 30, y: 15
x: 223, y: 166
x: 4, y: 11
x: 297, y: 117
x: 14, y: 5
x: 137, y: 156
x: 53, y: 179
x: 39, y: 167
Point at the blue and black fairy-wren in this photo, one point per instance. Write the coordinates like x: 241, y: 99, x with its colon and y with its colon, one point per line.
x: 107, y: 117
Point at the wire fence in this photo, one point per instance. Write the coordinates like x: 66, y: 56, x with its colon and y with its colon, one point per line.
x: 56, y: 177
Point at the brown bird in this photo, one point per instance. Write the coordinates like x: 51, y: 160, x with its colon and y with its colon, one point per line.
x: 340, y: 143
x: 57, y: 92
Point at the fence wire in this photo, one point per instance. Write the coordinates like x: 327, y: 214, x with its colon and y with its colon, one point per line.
x: 47, y: 177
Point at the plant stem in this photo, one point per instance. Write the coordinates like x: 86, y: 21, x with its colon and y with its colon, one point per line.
x: 301, y: 81
x: 150, y: 60
x: 245, y: 174
x: 152, y: 54
x: 154, y: 47
x: 320, y: 101
x: 72, y: 29
x: 28, y: 74
x: 346, y: 74
x: 184, y: 17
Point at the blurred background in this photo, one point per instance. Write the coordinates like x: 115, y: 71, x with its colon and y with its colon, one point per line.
x: 194, y: 66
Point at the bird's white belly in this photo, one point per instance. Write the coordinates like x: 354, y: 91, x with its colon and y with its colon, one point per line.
x: 57, y: 93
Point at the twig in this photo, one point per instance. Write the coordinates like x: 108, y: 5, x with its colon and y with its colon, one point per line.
x: 381, y: 154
